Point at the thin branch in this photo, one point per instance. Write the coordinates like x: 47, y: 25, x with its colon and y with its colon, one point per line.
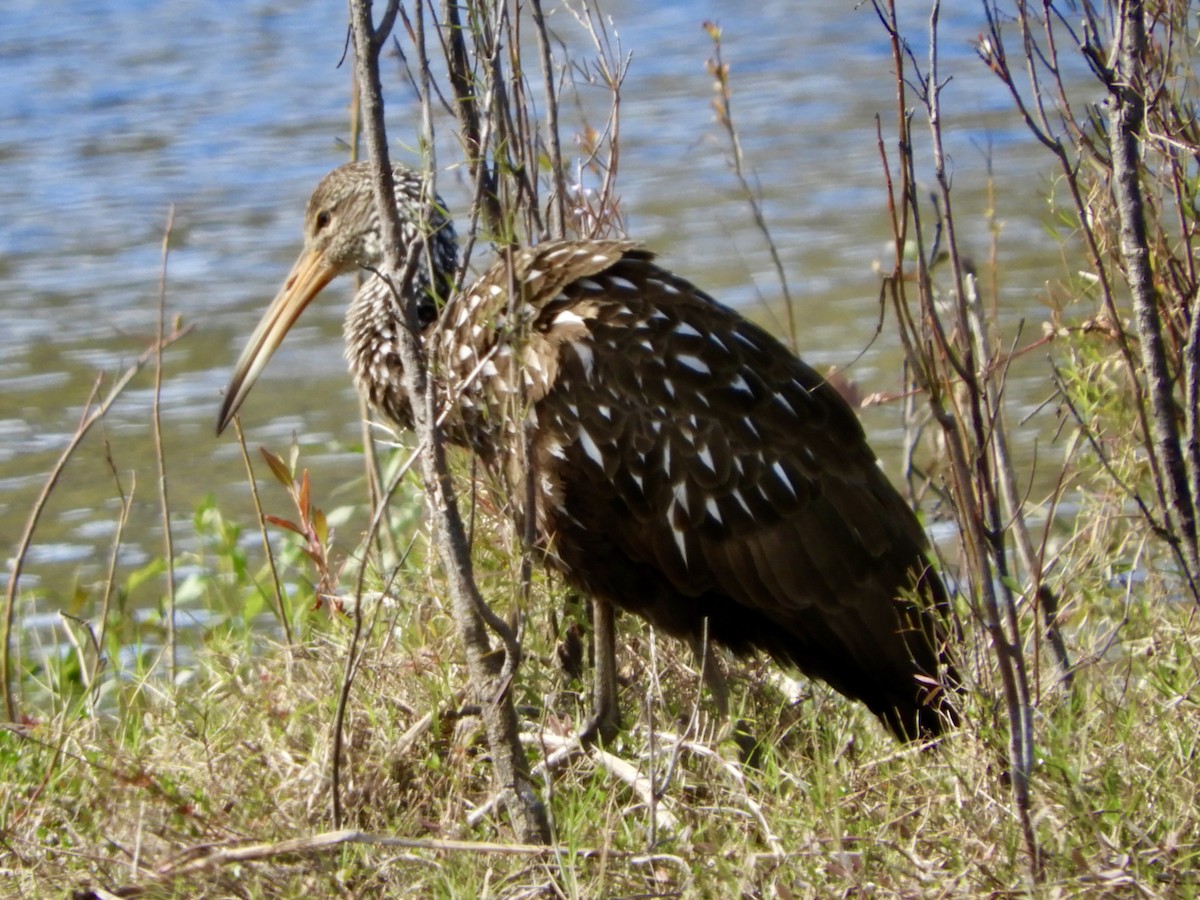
x: 723, y: 105
x: 161, y: 457
x: 111, y: 575
x: 90, y: 417
x: 1126, y: 114
x: 281, y: 612
x: 510, y: 769
x: 558, y: 221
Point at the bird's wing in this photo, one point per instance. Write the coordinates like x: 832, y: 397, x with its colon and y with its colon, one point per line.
x: 489, y: 348
x: 688, y: 442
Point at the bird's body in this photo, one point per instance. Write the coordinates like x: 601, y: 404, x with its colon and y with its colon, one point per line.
x: 687, y: 467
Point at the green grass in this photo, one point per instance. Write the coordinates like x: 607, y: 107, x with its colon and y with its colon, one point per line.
x: 124, y: 783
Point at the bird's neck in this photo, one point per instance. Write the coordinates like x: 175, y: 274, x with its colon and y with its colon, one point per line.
x: 380, y: 311
x: 372, y: 329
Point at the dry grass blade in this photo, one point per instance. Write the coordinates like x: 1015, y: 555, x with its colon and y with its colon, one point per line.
x: 91, y: 415
x: 160, y: 456
x: 204, y: 859
x: 273, y: 462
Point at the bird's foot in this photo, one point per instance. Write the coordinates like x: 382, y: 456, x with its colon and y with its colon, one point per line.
x: 602, y: 728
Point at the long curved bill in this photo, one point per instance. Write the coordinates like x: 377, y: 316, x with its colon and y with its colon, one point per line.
x: 308, y: 277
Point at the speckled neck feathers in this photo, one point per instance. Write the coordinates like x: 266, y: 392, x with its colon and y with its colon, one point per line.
x: 378, y: 311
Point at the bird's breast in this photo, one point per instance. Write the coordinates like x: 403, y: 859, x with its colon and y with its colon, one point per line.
x: 372, y: 331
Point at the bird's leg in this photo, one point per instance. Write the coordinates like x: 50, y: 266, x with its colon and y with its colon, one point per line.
x: 711, y: 672
x: 606, y: 714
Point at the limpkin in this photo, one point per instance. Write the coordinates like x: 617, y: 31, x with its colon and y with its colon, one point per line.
x: 689, y: 468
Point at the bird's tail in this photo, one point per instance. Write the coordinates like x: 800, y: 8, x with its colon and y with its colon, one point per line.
x: 933, y: 632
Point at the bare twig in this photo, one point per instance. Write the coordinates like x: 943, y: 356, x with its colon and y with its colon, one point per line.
x: 723, y: 106
x: 558, y: 221
x: 206, y: 858
x: 160, y: 454
x: 484, y: 668
x: 281, y: 611
x: 111, y: 576
x: 354, y: 654
x: 1094, y: 169
x: 1126, y: 115
x: 371, y: 463
x: 91, y: 415
x: 968, y: 413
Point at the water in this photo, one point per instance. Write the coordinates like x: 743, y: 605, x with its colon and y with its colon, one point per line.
x: 115, y: 111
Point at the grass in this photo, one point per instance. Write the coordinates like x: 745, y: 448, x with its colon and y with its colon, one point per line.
x: 221, y: 786
x: 123, y: 780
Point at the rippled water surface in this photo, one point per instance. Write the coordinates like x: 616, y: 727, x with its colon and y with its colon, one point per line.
x: 113, y: 112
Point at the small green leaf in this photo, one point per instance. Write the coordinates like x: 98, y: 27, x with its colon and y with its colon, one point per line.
x: 152, y: 569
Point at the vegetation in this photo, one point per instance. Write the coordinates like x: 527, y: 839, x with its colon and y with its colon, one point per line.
x: 338, y: 752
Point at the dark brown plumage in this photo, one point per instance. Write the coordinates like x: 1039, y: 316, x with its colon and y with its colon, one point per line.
x: 689, y: 467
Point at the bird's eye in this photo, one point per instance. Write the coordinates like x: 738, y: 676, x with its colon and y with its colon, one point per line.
x: 323, y: 218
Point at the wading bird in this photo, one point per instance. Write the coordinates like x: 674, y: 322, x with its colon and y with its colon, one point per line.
x: 688, y: 467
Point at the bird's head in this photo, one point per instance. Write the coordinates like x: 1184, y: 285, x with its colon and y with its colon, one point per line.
x: 342, y: 234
